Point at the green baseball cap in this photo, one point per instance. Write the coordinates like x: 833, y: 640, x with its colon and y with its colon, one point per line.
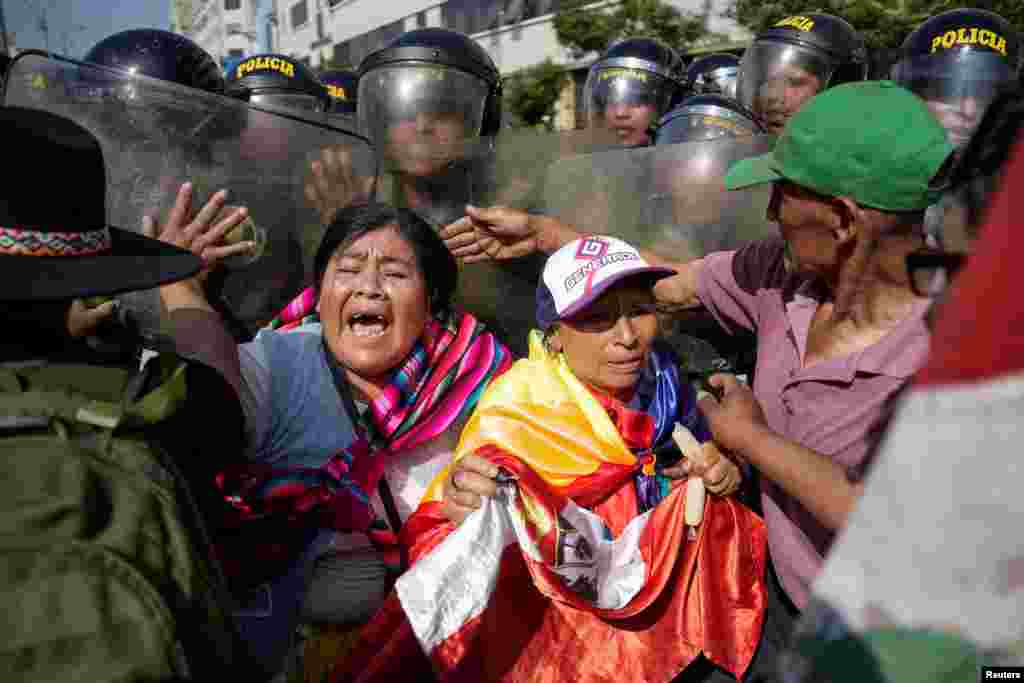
x: 872, y: 141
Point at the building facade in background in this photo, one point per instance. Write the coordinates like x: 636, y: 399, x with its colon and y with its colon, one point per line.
x: 517, y: 33
x: 227, y: 29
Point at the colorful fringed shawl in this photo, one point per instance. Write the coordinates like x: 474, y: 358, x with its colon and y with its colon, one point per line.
x: 438, y: 385
x: 581, y: 568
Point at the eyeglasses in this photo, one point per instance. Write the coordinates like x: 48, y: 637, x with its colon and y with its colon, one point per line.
x: 931, y: 271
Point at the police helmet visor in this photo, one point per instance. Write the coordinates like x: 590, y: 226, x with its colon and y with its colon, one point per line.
x: 704, y: 123
x: 688, y: 195
x: 287, y: 101
x: 956, y: 87
x: 420, y: 115
x: 777, y: 78
x: 720, y: 81
x: 628, y: 101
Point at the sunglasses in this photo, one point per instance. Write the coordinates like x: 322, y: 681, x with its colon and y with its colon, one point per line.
x: 931, y: 271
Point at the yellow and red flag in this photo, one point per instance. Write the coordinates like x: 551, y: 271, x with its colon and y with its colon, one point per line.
x: 560, y: 577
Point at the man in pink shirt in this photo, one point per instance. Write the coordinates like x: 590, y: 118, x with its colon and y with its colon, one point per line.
x: 839, y: 327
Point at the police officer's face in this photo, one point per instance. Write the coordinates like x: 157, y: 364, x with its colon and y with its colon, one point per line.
x: 630, y: 122
x: 782, y: 95
x: 423, y: 144
x: 959, y: 116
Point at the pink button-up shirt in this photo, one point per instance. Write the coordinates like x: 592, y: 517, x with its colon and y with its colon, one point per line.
x: 829, y: 407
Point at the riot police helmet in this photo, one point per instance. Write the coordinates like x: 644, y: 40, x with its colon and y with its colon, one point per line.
x: 342, y: 86
x: 795, y: 59
x: 956, y: 62
x: 115, y: 72
x: 631, y: 85
x: 279, y: 83
x: 158, y: 54
x: 426, y: 94
x: 706, y: 117
x: 713, y: 74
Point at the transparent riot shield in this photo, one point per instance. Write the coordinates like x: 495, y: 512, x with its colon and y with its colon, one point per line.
x: 157, y: 135
x: 439, y: 176
x: 669, y: 199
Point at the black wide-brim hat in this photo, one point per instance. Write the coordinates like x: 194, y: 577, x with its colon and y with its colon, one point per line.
x: 55, y: 242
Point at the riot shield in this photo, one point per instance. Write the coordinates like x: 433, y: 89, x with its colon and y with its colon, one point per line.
x: 668, y: 199
x: 156, y: 135
x: 438, y: 177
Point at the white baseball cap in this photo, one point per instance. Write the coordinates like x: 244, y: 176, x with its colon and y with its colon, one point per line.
x: 580, y: 272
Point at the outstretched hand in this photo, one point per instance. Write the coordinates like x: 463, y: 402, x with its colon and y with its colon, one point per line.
x: 200, y: 232
x: 497, y: 233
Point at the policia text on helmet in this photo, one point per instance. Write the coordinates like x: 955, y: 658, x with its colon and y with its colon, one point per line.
x: 633, y: 84
x: 279, y: 83
x: 956, y: 62
x: 342, y: 86
x: 794, y: 60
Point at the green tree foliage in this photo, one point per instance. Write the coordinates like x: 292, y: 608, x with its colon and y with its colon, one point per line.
x: 589, y: 30
x: 531, y: 94
x: 884, y: 23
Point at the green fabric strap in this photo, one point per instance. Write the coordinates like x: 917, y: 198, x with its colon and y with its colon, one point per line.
x: 91, y: 395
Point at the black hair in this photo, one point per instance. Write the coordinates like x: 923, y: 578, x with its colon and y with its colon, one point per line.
x: 436, y: 263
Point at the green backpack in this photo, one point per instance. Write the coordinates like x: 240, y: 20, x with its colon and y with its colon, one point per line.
x: 106, y: 570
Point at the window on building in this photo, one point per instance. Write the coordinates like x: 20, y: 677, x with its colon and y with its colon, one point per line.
x: 232, y: 4
x: 236, y: 54
x: 421, y: 19
x: 300, y: 13
x: 474, y: 16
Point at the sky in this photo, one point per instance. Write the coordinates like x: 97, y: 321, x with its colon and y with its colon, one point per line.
x: 77, y: 25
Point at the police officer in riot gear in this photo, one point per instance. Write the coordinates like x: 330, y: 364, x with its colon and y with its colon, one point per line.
x: 278, y: 82
x: 631, y: 86
x: 956, y: 62
x: 430, y: 101
x: 154, y: 54
x: 130, y: 110
x: 713, y: 74
x: 794, y: 60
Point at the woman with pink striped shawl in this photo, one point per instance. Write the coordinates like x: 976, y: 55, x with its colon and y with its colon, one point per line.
x: 354, y: 399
